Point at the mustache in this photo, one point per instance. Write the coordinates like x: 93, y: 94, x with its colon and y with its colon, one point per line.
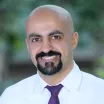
x: 50, y: 53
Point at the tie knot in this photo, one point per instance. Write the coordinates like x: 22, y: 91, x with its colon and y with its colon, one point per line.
x: 54, y: 89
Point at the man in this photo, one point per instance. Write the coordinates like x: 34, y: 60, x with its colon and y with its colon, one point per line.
x: 50, y: 41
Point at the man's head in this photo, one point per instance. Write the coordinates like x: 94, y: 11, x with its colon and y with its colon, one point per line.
x: 51, y: 39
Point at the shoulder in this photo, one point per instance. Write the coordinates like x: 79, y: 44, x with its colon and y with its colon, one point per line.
x: 92, y: 78
x: 20, y: 89
x: 93, y: 82
x: 25, y: 83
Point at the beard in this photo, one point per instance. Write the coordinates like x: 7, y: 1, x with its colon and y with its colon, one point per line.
x: 49, y: 68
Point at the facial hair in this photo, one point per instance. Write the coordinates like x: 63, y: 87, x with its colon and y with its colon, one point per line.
x: 49, y: 68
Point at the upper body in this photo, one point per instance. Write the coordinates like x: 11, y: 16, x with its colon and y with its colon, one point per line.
x: 51, y: 40
x: 79, y: 88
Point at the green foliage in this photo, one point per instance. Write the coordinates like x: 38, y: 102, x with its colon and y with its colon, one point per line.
x: 99, y: 67
x: 87, y: 15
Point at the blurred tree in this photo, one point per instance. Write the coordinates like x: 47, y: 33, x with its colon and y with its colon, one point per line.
x: 99, y: 67
x: 87, y: 15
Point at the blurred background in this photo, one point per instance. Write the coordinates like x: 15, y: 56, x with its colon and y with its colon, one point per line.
x: 15, y: 62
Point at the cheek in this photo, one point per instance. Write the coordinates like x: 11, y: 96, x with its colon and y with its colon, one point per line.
x: 64, y: 50
x: 62, y: 47
x: 34, y: 50
x: 33, y: 54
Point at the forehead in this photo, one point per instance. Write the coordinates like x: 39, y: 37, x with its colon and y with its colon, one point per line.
x: 44, y: 22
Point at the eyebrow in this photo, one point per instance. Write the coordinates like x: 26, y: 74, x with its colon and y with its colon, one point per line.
x: 34, y: 35
x: 56, y: 32
x: 50, y: 34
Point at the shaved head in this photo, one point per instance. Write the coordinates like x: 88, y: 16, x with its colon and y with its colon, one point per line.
x: 51, y: 39
x: 51, y: 11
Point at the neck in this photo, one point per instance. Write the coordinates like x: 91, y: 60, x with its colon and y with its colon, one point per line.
x: 58, y: 77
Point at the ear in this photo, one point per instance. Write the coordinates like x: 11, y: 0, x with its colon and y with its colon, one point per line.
x: 74, y: 40
x: 27, y: 44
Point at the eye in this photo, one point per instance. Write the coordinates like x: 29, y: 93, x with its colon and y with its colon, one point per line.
x: 56, y: 37
x: 36, y: 39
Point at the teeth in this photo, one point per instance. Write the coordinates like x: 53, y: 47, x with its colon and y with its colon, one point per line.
x: 48, y: 57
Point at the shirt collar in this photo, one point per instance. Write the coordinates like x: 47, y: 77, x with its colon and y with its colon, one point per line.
x: 71, y: 82
x: 40, y: 84
x: 73, y: 79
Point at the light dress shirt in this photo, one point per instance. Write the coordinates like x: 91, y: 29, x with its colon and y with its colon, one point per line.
x: 79, y: 88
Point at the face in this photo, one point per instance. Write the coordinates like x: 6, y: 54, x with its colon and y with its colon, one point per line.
x: 50, y: 44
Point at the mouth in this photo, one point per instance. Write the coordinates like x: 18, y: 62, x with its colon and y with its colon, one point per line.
x: 49, y: 58
x: 53, y: 58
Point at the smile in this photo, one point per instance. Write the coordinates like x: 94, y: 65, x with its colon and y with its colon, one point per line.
x: 48, y: 57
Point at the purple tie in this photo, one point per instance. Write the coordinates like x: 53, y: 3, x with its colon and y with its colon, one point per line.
x: 54, y: 93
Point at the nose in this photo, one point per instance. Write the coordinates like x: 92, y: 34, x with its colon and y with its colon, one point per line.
x: 46, y: 46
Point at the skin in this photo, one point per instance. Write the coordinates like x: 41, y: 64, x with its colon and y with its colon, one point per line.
x: 54, y: 20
